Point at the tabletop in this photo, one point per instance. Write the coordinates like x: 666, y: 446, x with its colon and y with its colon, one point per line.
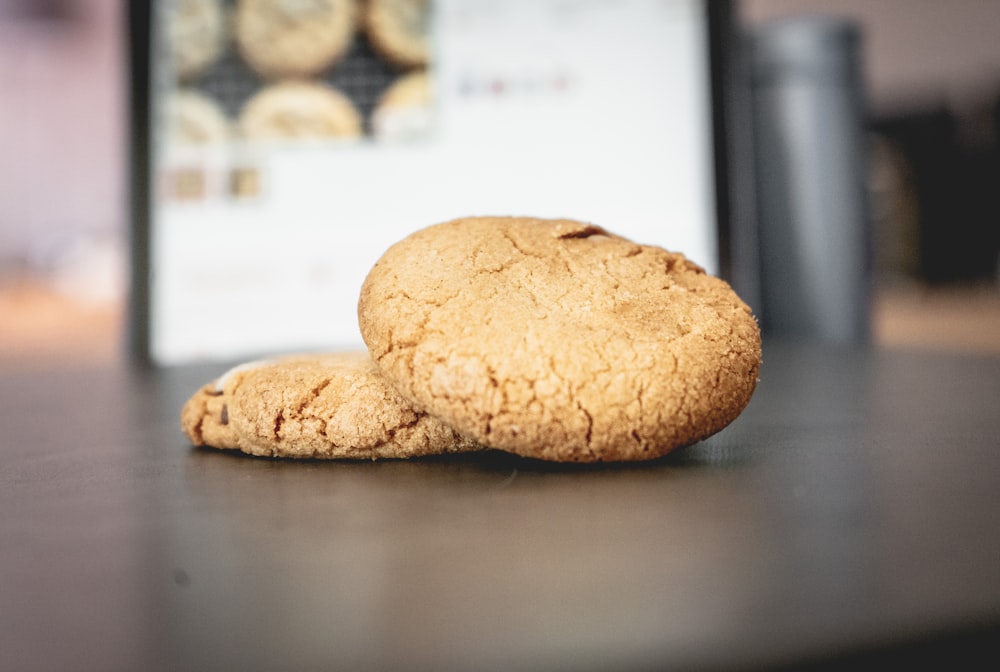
x: 850, y: 513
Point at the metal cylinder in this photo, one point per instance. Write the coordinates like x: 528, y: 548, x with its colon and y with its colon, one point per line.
x: 811, y: 174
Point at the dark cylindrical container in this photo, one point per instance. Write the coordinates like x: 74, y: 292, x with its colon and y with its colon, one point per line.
x: 811, y: 172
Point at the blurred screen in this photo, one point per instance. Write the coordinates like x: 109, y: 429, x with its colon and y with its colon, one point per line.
x: 277, y: 185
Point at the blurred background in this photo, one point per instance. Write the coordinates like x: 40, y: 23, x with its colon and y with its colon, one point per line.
x: 932, y: 115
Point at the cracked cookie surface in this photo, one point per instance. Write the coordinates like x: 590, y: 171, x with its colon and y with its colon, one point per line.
x: 321, y: 406
x: 557, y: 340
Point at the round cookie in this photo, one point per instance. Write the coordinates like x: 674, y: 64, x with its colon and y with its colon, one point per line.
x: 195, y: 35
x: 398, y: 30
x: 195, y: 119
x: 294, y: 38
x: 555, y: 339
x: 296, y: 109
x: 403, y: 112
x: 323, y: 406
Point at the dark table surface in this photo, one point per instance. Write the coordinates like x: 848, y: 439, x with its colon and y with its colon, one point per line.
x: 852, y: 513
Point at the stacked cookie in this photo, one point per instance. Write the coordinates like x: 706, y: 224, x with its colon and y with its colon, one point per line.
x: 290, y: 46
x: 550, y: 339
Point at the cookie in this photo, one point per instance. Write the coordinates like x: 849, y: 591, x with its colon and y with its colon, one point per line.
x: 321, y: 406
x: 403, y: 111
x: 195, y: 35
x: 195, y: 119
x: 297, y: 109
x: 294, y: 38
x: 399, y: 31
x: 557, y: 340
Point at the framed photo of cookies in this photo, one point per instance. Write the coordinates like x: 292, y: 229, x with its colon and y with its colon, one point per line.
x: 280, y: 146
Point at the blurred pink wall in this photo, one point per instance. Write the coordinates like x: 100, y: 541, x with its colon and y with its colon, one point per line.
x: 61, y: 126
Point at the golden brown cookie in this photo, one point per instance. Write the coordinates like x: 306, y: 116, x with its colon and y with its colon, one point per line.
x: 195, y: 119
x: 299, y: 110
x: 555, y: 339
x: 403, y: 111
x: 195, y: 35
x: 323, y: 406
x: 294, y: 38
x: 399, y: 30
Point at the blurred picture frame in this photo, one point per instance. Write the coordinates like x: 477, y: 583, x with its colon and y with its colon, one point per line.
x: 628, y: 114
